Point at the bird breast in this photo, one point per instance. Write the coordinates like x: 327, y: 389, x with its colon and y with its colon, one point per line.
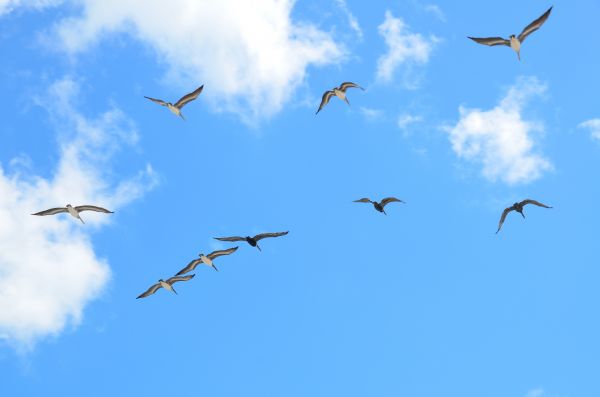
x: 340, y: 94
x: 73, y: 212
x: 166, y: 285
x: 206, y: 260
x: 515, y: 44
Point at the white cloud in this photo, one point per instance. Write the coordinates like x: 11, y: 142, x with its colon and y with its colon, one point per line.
x: 404, y: 47
x: 7, y: 6
x: 352, y: 21
x: 371, y: 114
x: 250, y: 55
x: 436, y: 11
x: 49, y: 271
x: 535, y: 393
x: 406, y: 119
x: 593, y: 126
x: 500, y: 139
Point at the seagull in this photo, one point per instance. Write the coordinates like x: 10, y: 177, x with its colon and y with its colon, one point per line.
x: 339, y: 92
x: 380, y: 206
x: 166, y: 285
x: 519, y: 208
x: 74, y: 211
x: 206, y: 259
x: 253, y: 241
x: 176, y: 108
x: 515, y: 42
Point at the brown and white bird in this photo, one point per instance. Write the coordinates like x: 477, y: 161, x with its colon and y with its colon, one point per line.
x: 253, y: 241
x: 515, y: 42
x: 176, y: 107
x: 381, y: 205
x: 206, y: 259
x: 74, y: 211
x: 168, y: 285
x: 339, y: 92
x: 519, y: 208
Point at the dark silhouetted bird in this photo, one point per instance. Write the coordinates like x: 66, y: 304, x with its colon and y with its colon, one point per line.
x: 253, y: 241
x: 381, y: 205
x: 519, y: 208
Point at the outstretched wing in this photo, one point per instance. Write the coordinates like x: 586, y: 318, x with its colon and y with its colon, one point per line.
x: 159, y: 101
x: 348, y: 84
x: 190, y: 266
x: 503, y: 217
x: 325, y: 99
x: 233, y: 238
x: 92, y: 208
x: 51, y: 211
x: 265, y: 235
x: 150, y: 291
x: 491, y: 41
x: 535, y: 25
x: 388, y: 200
x: 215, y: 254
x: 176, y: 279
x: 362, y: 200
x: 529, y: 201
x: 188, y: 98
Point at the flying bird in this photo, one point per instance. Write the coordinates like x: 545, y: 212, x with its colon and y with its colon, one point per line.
x: 253, y: 241
x: 206, y: 259
x: 381, y: 205
x: 74, y: 211
x: 519, y: 208
x: 166, y: 285
x: 176, y: 108
x: 515, y: 42
x: 339, y: 92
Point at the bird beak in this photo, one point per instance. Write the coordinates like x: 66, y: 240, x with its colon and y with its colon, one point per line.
x: 257, y: 246
x: 214, y: 267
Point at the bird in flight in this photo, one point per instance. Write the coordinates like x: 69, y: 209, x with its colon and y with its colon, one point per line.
x: 253, y: 241
x: 206, y: 259
x: 184, y: 100
x: 74, y: 211
x: 519, y: 208
x: 515, y: 42
x: 339, y: 92
x: 381, y: 205
x: 168, y: 285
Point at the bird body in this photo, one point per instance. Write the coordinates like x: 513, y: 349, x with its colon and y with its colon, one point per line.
x: 176, y: 107
x: 166, y: 284
x: 73, y: 211
x: 514, y: 41
x: 206, y: 260
x: 518, y: 207
x: 339, y: 92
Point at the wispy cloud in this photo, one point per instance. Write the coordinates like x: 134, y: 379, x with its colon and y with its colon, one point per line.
x: 593, y: 126
x: 404, y: 47
x: 48, y: 268
x: 406, y: 119
x: 352, y: 20
x: 500, y: 139
x: 371, y: 114
x: 535, y: 393
x: 436, y: 11
x: 250, y: 54
x: 7, y: 6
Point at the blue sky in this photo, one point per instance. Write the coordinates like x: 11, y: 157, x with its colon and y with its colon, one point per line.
x: 426, y: 301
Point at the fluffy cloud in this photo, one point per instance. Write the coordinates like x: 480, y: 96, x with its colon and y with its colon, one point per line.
x: 500, y: 139
x: 7, y: 6
x: 250, y: 54
x: 404, y: 47
x: 593, y: 126
x: 49, y: 271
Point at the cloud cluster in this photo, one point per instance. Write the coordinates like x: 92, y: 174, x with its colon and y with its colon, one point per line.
x: 500, y: 139
x: 49, y: 271
x: 250, y: 55
x: 593, y: 126
x: 404, y: 47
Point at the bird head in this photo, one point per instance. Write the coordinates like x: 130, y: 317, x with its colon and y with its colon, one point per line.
x: 512, y: 36
x: 160, y: 280
x: 69, y: 206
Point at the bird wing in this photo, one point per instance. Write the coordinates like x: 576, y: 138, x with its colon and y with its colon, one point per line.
x: 491, y: 41
x: 388, y: 200
x: 175, y: 279
x: 348, y: 84
x: 150, y: 291
x: 265, y: 235
x: 325, y: 99
x: 529, y: 201
x: 190, y: 266
x: 215, y: 254
x: 503, y: 217
x: 92, y: 208
x: 189, y: 97
x: 535, y: 25
x: 51, y: 211
x: 159, y: 101
x: 363, y: 200
x: 233, y: 238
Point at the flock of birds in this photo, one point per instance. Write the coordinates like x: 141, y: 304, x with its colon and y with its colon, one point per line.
x: 513, y: 42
